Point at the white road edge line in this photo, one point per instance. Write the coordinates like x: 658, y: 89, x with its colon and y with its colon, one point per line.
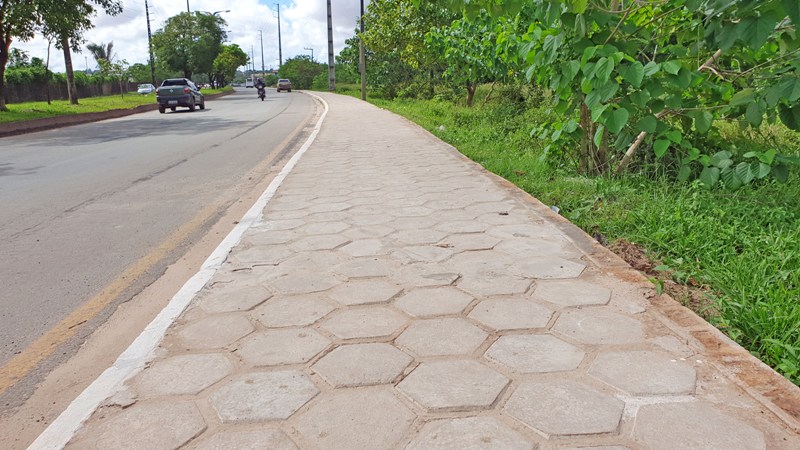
x: 141, y: 350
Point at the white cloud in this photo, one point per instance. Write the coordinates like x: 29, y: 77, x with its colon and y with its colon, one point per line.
x: 303, y: 24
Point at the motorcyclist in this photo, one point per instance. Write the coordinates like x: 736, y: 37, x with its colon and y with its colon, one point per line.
x: 260, y: 86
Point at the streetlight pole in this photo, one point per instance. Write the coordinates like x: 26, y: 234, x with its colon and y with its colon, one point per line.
x: 280, y: 50
x: 362, y: 58
x: 312, y: 51
x: 331, y: 67
x: 262, y: 52
x: 149, y: 44
x: 187, y: 7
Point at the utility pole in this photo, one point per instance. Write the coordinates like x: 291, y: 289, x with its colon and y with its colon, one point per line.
x: 262, y: 52
x: 252, y: 59
x: 312, y: 52
x: 280, y: 50
x: 150, y: 44
x: 331, y: 67
x: 187, y: 7
x: 362, y: 58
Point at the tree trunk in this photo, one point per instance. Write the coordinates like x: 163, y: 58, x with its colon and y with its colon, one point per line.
x: 71, y: 89
x: 4, y: 48
x: 471, y: 87
x: 586, y: 140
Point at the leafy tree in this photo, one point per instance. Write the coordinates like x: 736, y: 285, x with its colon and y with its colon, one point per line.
x: 18, y: 19
x: 65, y: 21
x: 230, y: 58
x: 139, y: 73
x: 18, y: 58
x: 302, y: 71
x: 117, y: 71
x: 190, y: 42
x: 101, y: 51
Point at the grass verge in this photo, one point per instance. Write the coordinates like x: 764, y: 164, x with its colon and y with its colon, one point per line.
x: 741, y: 248
x: 39, y: 110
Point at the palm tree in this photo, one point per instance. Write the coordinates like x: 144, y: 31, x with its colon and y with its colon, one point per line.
x: 101, y: 51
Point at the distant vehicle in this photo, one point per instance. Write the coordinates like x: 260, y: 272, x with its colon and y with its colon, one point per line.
x: 248, y: 83
x: 179, y: 92
x: 284, y: 85
x: 146, y: 89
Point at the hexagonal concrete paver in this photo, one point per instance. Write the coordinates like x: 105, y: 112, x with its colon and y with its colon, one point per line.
x: 363, y: 292
x: 692, y: 426
x: 362, y: 365
x: 470, y: 433
x: 263, y: 254
x: 511, y: 314
x: 535, y: 353
x: 564, y: 407
x: 263, y: 396
x: 645, y: 373
x: 256, y: 237
x: 418, y: 237
x: 364, y: 247
x: 599, y: 326
x: 282, y: 224
x: 488, y: 286
x: 548, y: 267
x: 232, y: 297
x: 365, y: 268
x: 293, y: 311
x: 427, y: 253
x: 571, y: 292
x: 319, y: 242
x: 437, y: 301
x: 325, y: 228
x: 271, y: 438
x: 217, y: 331
x: 462, y: 226
x: 356, y: 419
x: 460, y: 385
x: 147, y: 425
x: 470, y: 242
x: 373, y: 322
x: 281, y: 347
x: 526, y: 230
x: 440, y: 337
x: 183, y: 374
x: 304, y: 282
x: 425, y: 275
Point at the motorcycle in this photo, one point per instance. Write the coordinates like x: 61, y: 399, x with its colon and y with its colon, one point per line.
x: 262, y: 93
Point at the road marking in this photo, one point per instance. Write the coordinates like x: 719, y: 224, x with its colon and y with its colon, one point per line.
x: 44, y: 346
x: 132, y: 360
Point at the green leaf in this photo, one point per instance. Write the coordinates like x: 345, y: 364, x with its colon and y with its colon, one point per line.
x: 647, y: 123
x: 603, y: 69
x: 780, y: 172
x: 640, y: 98
x: 792, y: 8
x: 709, y: 176
x: 660, y: 147
x: 579, y: 6
x: 684, y: 173
x: 743, y: 97
x: 744, y: 173
x: 754, y: 114
x: 755, y: 31
x: 651, y: 68
x: 790, y: 89
x: 761, y: 170
x: 602, y: 94
x: 632, y: 73
x: 731, y: 179
x: 671, y: 67
x: 570, y: 68
x: 703, y: 121
x: 598, y: 135
x: 684, y: 78
x: 790, y: 116
x: 674, y: 136
x: 617, y: 120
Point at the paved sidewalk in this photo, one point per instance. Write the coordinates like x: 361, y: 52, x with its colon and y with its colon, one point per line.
x: 397, y: 296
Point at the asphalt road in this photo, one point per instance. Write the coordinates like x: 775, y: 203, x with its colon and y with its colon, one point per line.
x: 93, y: 214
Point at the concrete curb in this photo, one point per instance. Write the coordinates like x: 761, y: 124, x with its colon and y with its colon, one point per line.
x: 50, y: 123
x: 764, y: 384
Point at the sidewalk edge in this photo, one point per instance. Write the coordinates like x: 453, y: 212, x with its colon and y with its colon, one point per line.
x: 133, y: 359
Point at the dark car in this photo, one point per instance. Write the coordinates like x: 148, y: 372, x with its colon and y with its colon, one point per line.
x: 179, y: 92
x: 284, y: 85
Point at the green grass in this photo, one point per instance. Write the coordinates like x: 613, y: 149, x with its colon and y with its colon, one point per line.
x: 744, y: 246
x: 38, y: 110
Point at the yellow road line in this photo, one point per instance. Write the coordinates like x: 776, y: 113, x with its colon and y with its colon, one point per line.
x: 20, y: 365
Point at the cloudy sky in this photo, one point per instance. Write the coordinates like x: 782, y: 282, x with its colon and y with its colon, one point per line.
x: 303, y: 24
